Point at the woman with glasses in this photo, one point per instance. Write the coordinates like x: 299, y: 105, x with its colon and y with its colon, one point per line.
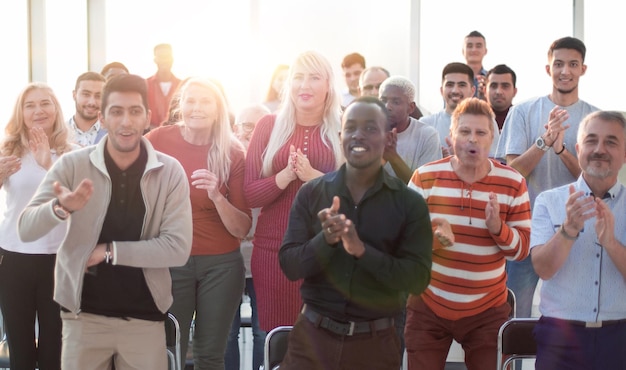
x: 211, y: 282
x: 299, y: 143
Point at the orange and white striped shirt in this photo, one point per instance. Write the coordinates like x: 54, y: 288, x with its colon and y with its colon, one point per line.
x: 469, y: 277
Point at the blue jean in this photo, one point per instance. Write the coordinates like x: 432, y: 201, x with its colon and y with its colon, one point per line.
x: 522, y: 280
x: 231, y: 359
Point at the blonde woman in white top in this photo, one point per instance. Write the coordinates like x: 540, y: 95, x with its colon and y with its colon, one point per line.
x: 35, y: 136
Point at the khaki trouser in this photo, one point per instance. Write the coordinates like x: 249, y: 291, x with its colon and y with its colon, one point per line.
x: 93, y: 342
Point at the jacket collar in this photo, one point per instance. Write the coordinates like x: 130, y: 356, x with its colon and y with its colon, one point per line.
x: 97, y: 155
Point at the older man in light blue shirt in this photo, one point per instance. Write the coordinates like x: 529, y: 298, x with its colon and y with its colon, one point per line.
x: 578, y: 239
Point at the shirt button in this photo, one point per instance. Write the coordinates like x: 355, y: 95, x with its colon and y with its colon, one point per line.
x: 598, y: 255
x: 595, y: 310
x: 123, y: 186
x: 596, y: 283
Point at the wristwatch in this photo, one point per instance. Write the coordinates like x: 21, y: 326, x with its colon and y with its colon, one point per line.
x: 60, y: 211
x: 541, y: 144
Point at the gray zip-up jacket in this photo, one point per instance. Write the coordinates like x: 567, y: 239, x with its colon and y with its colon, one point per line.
x: 166, y: 233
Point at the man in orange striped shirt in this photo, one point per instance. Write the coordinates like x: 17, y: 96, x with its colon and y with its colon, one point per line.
x: 480, y: 214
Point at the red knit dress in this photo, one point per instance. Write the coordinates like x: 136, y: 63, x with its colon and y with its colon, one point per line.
x: 278, y: 299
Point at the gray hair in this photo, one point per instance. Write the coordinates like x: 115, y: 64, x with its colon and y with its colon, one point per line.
x: 403, y: 83
x: 603, y: 115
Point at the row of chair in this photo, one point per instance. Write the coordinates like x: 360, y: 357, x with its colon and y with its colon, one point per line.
x: 515, y: 341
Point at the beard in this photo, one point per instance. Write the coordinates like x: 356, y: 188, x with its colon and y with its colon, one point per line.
x: 563, y: 91
x: 81, y: 113
x: 598, y: 172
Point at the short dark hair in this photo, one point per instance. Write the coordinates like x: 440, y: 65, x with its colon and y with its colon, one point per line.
x: 568, y: 43
x: 112, y: 65
x: 502, y: 69
x: 89, y: 76
x: 476, y: 34
x: 376, y: 101
x: 354, y: 58
x: 457, y: 67
x: 125, y: 83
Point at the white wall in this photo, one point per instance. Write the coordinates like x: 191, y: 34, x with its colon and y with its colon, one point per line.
x: 240, y: 41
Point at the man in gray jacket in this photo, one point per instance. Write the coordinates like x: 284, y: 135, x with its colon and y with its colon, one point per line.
x: 129, y: 220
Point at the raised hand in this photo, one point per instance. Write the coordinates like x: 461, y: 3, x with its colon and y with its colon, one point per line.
x: 391, y: 147
x: 443, y: 231
x: 40, y: 147
x: 302, y: 167
x: 605, y: 224
x: 448, y: 149
x: 492, y: 215
x: 74, y: 200
x: 555, y: 128
x: 332, y: 222
x: 8, y: 166
x: 578, y: 209
x: 206, y: 180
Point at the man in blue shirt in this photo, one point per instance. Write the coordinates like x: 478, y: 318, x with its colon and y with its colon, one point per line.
x: 579, y: 252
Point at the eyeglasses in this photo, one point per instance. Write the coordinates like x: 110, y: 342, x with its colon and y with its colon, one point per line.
x: 247, y: 126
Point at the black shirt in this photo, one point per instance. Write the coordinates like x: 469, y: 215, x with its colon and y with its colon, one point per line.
x: 394, y: 224
x: 115, y: 290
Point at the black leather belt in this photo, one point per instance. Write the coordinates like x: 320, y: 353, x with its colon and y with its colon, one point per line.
x: 591, y: 324
x: 346, y: 328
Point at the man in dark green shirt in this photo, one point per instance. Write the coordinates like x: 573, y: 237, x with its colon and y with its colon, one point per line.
x: 361, y: 240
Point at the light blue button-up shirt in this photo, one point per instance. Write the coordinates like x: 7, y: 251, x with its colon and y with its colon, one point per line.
x: 588, y: 287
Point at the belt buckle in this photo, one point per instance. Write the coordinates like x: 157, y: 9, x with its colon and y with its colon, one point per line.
x: 351, y: 329
x: 593, y: 324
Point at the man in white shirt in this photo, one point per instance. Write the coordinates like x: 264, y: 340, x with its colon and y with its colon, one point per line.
x: 84, y: 123
x: 352, y: 66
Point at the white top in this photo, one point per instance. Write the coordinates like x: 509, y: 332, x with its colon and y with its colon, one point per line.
x: 346, y: 98
x: 417, y: 145
x: 524, y: 124
x: 84, y: 138
x: 19, y: 189
x: 588, y: 286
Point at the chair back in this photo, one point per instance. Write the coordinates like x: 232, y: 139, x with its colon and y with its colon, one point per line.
x: 172, y: 341
x: 510, y: 298
x: 516, y: 341
x: 276, y: 346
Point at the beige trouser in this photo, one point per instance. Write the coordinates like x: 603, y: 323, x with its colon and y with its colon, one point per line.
x: 93, y: 342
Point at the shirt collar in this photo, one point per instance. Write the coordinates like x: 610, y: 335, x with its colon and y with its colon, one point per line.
x: 612, y: 193
x: 94, y: 128
x: 337, y: 180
